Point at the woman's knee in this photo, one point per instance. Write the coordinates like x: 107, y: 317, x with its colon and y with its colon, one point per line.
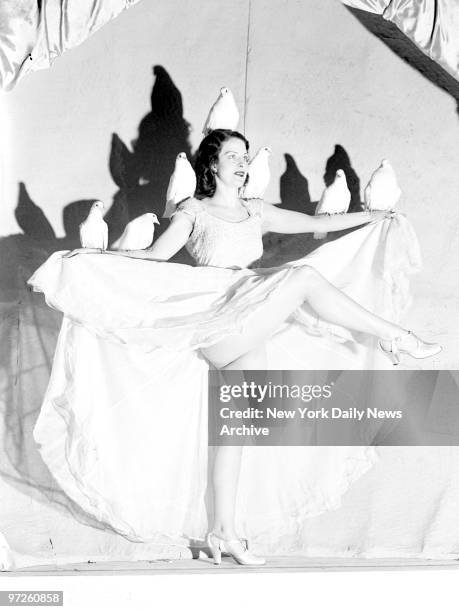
x: 236, y: 356
x: 306, y: 278
x: 218, y: 358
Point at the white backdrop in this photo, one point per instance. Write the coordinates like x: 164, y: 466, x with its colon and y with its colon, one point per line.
x: 308, y: 77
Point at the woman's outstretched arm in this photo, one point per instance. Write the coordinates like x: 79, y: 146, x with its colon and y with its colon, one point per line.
x: 169, y: 243
x: 290, y: 222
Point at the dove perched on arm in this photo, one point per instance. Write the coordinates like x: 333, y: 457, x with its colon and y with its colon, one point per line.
x: 223, y: 114
x: 259, y: 174
x: 335, y: 200
x: 182, y: 184
x: 94, y: 230
x: 138, y: 233
x: 382, y: 191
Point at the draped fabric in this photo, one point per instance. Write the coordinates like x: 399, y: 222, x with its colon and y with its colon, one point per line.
x: 433, y: 25
x: 123, y: 424
x: 397, y: 502
x: 33, y: 34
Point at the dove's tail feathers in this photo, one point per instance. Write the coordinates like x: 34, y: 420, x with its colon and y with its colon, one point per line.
x: 367, y: 197
x: 105, y: 238
x: 319, y: 235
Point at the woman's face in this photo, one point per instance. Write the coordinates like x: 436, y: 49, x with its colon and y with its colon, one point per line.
x: 232, y: 165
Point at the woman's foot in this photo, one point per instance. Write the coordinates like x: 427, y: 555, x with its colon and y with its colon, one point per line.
x: 234, y: 547
x: 410, y: 344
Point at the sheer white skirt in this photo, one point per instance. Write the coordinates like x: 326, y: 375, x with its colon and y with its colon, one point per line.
x: 123, y: 424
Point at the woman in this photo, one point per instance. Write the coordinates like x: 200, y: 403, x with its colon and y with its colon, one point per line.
x: 221, y: 230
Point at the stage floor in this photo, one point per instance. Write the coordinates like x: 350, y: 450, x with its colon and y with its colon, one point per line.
x: 205, y: 565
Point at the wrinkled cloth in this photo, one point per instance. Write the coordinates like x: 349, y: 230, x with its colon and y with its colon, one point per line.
x: 123, y: 425
x: 433, y: 25
x: 32, y: 36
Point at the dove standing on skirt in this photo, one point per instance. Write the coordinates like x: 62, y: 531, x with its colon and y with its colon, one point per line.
x: 223, y: 114
x: 182, y: 184
x: 335, y: 200
x: 94, y: 230
x: 259, y: 174
x: 382, y: 191
x: 138, y: 233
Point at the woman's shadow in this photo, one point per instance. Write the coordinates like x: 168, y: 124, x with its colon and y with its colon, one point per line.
x: 142, y: 175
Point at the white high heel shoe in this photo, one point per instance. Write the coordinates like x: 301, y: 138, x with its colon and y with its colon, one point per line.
x: 420, y: 351
x: 235, y: 548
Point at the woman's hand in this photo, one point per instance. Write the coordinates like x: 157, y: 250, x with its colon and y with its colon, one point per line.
x: 83, y: 250
x: 379, y: 215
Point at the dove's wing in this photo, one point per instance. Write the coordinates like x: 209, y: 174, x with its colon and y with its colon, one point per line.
x: 210, y: 118
x: 223, y: 114
x: 345, y: 198
x: 367, y: 196
x: 86, y: 234
x: 94, y: 234
x: 81, y: 234
x: 104, y: 235
x: 172, y: 187
x: 382, y: 191
x: 321, y: 207
x: 138, y: 233
x: 182, y: 183
x: 318, y: 210
x: 259, y: 175
x: 190, y: 181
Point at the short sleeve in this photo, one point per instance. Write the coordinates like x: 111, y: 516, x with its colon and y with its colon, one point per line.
x: 255, y: 207
x: 190, y: 206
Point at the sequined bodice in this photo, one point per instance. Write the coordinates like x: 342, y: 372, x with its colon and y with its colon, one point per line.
x: 217, y: 242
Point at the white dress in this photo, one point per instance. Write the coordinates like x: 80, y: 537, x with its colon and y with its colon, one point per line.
x: 123, y: 424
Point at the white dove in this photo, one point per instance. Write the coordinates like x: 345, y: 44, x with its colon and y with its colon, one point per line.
x: 182, y: 184
x: 335, y: 200
x: 138, y: 233
x: 382, y: 191
x: 259, y: 174
x: 94, y: 230
x: 223, y: 114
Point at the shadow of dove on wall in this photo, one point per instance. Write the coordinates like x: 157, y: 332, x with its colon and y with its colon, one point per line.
x: 30, y: 217
x: 294, y: 188
x: 142, y: 175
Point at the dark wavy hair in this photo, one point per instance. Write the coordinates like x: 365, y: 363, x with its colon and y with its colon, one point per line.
x: 207, y: 155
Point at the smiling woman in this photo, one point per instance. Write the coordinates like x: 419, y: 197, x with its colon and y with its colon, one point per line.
x: 223, y: 155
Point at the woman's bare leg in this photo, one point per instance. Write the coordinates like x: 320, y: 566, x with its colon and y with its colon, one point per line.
x: 304, y: 285
x: 228, y: 460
